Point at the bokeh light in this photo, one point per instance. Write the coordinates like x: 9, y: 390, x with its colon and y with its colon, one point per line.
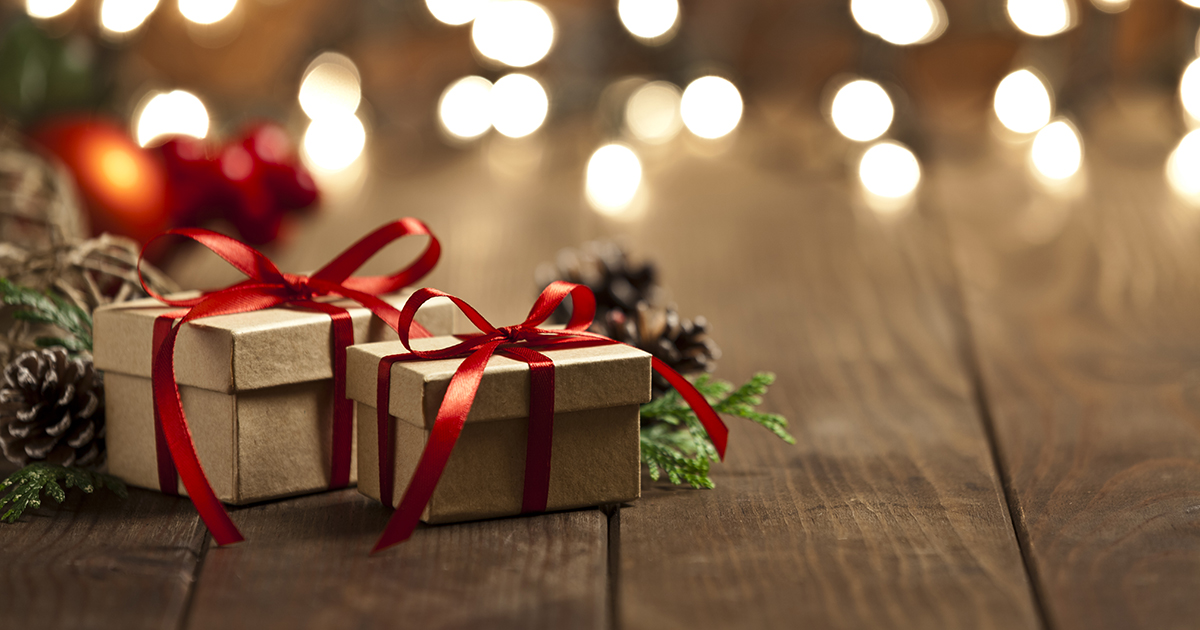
x: 1192, y: 3
x: 1040, y: 18
x: 1183, y: 167
x: 1111, y: 6
x: 888, y: 169
x: 650, y: 20
x: 711, y: 107
x: 206, y: 11
x: 1189, y: 89
x: 330, y: 87
x: 515, y: 33
x: 171, y: 113
x: 47, y: 8
x: 1057, y: 151
x: 454, y: 12
x: 1022, y: 102
x: 862, y: 110
x: 519, y: 105
x: 464, y: 109
x: 613, y: 176
x: 652, y: 112
x: 122, y: 16
x: 334, y: 142
x: 900, y: 22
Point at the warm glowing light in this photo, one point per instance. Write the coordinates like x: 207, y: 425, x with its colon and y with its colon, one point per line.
x: 334, y: 142
x: 649, y: 19
x: 1183, y: 167
x: 652, y: 112
x: 122, y: 16
x: 1111, y: 6
x: 514, y: 32
x: 888, y: 169
x: 1022, y: 102
x: 900, y: 22
x: 519, y: 105
x: 206, y: 11
x: 1057, y: 151
x: 119, y: 168
x: 330, y: 87
x: 1192, y: 3
x: 47, y: 8
x: 1189, y: 89
x: 464, y: 110
x: 862, y: 110
x: 613, y: 176
x: 171, y: 113
x: 711, y: 107
x: 1040, y: 18
x: 455, y: 12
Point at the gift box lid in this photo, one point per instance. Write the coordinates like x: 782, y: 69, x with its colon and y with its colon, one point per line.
x: 244, y: 351
x: 584, y: 378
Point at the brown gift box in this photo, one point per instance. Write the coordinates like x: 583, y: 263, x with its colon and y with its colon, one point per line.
x: 596, y: 453
x: 257, y: 389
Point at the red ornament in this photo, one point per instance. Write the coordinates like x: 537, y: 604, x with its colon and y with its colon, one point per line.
x: 123, y: 186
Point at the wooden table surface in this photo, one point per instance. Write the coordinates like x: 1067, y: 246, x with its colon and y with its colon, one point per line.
x: 995, y: 396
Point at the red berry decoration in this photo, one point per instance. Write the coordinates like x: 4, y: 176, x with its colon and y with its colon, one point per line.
x: 252, y: 182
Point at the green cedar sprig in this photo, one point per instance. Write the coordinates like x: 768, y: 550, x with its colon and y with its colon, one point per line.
x: 30, y: 482
x: 44, y: 308
x: 674, y: 443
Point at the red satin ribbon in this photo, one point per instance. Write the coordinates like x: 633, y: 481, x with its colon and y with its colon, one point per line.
x: 520, y: 342
x: 267, y: 287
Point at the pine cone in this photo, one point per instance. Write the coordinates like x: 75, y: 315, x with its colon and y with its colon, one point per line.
x: 52, y: 409
x: 684, y: 345
x: 605, y: 268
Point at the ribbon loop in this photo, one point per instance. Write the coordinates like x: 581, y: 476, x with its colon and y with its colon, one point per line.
x: 521, y: 342
x: 266, y: 287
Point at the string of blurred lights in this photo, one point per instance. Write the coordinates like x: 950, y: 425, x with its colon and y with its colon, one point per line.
x: 509, y: 38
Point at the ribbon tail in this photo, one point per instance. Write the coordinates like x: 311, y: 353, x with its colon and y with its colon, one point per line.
x: 451, y: 417
x: 183, y: 448
x: 716, y: 429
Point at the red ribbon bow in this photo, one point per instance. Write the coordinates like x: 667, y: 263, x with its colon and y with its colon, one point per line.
x: 520, y: 342
x: 267, y: 287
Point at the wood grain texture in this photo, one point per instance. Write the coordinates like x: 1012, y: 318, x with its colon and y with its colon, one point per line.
x: 306, y: 565
x: 1086, y: 316
x: 98, y: 561
x: 889, y: 511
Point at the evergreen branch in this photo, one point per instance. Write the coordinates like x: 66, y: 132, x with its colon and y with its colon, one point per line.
x: 45, y: 308
x: 661, y: 457
x: 28, y: 484
x: 675, y: 443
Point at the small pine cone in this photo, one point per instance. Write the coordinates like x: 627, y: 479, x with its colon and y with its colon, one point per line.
x: 52, y: 409
x: 684, y: 345
x: 605, y: 268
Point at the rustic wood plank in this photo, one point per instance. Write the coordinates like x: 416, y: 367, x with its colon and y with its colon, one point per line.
x: 889, y: 511
x: 306, y: 565
x: 1086, y: 315
x: 98, y: 561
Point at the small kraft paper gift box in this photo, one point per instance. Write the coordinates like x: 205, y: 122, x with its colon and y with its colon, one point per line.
x: 595, y: 452
x: 256, y: 387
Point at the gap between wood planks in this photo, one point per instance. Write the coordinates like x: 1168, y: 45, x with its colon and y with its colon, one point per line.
x: 613, y: 512
x: 974, y: 371
x: 185, y: 618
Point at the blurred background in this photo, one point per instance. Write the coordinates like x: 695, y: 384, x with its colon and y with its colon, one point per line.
x: 298, y: 125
